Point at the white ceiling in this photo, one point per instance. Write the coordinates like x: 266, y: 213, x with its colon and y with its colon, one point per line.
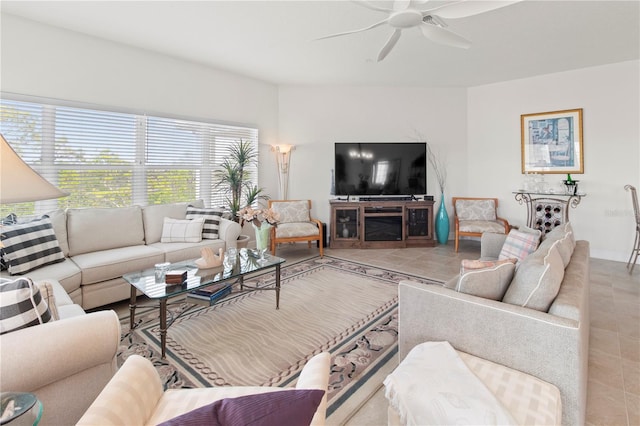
x: 274, y: 40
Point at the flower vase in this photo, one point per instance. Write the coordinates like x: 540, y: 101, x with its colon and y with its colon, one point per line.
x: 262, y: 238
x: 442, y: 222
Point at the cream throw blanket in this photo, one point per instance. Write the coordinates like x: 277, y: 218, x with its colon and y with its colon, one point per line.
x: 433, y: 386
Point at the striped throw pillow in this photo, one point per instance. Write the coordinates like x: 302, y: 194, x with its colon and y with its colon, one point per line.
x: 211, y: 221
x: 21, y: 305
x: 30, y: 245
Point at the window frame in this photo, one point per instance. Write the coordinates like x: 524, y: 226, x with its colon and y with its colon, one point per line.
x: 211, y: 140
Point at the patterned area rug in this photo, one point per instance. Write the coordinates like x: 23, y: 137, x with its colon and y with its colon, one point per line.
x: 326, y: 304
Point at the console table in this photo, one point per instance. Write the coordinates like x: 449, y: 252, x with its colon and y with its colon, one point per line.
x: 381, y: 224
x: 546, y: 210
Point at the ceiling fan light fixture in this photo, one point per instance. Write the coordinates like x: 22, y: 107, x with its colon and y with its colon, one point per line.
x: 434, y: 20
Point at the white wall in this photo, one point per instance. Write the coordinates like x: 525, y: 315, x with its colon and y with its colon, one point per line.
x: 609, y: 97
x: 477, y: 130
x: 313, y: 118
x: 44, y: 61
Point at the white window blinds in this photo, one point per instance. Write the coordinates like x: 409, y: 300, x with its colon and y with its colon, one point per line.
x: 113, y: 159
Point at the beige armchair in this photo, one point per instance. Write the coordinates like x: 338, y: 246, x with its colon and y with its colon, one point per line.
x: 65, y: 363
x: 295, y: 224
x: 475, y: 216
x: 135, y: 396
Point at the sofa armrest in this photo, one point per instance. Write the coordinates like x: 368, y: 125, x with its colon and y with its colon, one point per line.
x: 546, y: 346
x: 138, y: 381
x: 229, y: 231
x: 491, y: 244
x: 315, y: 375
x: 65, y: 363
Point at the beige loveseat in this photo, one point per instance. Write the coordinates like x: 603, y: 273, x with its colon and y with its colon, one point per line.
x: 65, y: 363
x: 100, y: 245
x: 552, y: 346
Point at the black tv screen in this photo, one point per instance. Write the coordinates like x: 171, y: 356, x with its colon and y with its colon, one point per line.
x: 389, y: 168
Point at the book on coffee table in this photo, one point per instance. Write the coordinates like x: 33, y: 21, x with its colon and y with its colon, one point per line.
x: 211, y: 293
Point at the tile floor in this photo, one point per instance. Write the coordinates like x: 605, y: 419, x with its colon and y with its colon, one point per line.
x: 614, y: 354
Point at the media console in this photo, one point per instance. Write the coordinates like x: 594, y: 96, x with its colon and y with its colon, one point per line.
x: 381, y: 223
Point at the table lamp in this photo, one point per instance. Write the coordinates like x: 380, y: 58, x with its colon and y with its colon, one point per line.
x: 19, y: 183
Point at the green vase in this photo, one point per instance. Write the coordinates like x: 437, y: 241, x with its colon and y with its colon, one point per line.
x: 442, y: 222
x: 262, y: 237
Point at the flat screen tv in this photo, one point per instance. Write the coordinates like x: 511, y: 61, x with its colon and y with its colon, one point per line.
x: 380, y: 168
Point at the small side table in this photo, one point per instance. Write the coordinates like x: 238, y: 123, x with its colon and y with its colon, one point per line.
x: 19, y: 408
x: 546, y: 210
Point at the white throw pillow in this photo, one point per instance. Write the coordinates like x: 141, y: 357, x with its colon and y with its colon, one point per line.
x: 182, y: 230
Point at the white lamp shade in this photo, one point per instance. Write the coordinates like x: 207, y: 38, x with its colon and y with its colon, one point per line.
x: 19, y: 183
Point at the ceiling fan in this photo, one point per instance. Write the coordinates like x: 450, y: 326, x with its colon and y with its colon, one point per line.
x: 409, y: 14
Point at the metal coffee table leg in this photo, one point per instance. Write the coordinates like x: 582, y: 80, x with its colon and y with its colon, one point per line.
x: 163, y: 326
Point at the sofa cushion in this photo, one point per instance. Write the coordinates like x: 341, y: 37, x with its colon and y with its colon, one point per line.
x: 481, y: 226
x: 565, y: 244
x: 289, y: 407
x: 153, y: 217
x: 487, y: 279
x: 59, y: 222
x: 109, y: 264
x: 211, y: 220
x: 178, y: 252
x: 519, y: 244
x: 182, y: 230
x: 21, y: 305
x: 537, y: 280
x: 93, y: 229
x: 46, y: 290
x: 29, y: 246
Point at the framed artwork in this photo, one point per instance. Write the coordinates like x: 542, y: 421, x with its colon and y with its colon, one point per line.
x: 552, y: 142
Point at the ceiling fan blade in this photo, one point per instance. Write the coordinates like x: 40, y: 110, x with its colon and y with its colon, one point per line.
x: 355, y: 31
x: 444, y: 36
x: 389, y: 45
x: 465, y: 8
x: 399, y: 5
x: 371, y: 6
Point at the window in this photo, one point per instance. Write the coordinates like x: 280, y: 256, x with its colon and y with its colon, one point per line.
x: 114, y: 159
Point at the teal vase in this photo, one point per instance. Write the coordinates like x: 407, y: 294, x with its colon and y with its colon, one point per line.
x: 442, y: 222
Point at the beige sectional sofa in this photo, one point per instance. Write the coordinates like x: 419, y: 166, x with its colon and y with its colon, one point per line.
x: 102, y: 244
x: 552, y: 345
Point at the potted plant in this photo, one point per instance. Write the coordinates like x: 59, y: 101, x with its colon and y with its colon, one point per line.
x: 233, y: 178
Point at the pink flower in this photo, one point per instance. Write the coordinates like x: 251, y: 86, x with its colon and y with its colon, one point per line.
x: 257, y: 216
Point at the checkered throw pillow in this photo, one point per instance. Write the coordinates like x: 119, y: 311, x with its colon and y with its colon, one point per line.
x: 182, y: 230
x: 211, y: 221
x: 30, y: 245
x: 519, y: 245
x: 21, y: 305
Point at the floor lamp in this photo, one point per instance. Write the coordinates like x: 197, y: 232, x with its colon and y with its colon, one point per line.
x: 283, y: 158
x: 19, y: 183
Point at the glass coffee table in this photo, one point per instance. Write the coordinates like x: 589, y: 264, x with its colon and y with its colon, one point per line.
x: 247, y: 262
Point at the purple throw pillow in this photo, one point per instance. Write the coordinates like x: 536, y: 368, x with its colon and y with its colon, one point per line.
x: 290, y: 407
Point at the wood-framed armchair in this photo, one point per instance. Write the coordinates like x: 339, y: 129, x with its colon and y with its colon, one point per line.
x: 473, y: 216
x: 295, y: 224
